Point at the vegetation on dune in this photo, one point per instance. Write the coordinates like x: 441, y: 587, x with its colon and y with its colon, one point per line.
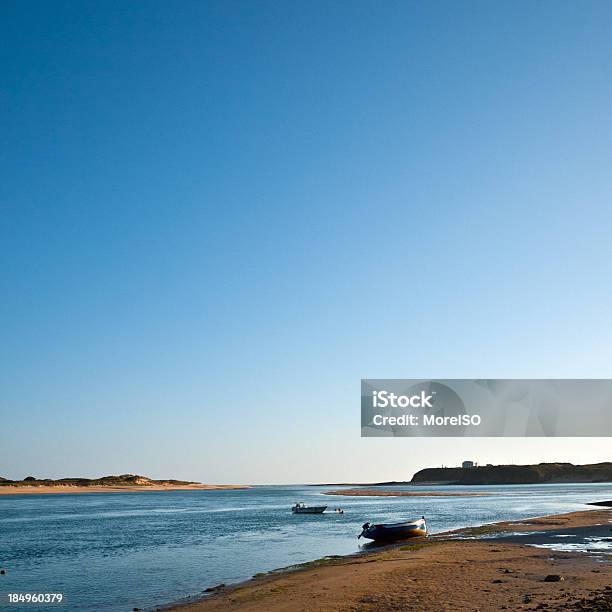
x: 130, y: 480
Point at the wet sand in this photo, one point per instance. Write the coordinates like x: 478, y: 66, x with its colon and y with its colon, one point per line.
x: 381, y: 493
x: 45, y: 490
x: 486, y: 568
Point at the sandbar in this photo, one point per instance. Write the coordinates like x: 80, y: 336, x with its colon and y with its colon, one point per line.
x: 383, y: 493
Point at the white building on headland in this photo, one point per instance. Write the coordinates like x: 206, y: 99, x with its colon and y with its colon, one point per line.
x: 469, y: 465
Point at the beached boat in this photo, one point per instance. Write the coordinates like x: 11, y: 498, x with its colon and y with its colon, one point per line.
x: 394, y: 531
x: 302, y: 509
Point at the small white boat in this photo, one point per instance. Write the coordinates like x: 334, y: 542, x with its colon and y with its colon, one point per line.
x: 302, y: 509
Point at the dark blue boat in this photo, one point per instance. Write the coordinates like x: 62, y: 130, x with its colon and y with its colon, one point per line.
x: 394, y: 531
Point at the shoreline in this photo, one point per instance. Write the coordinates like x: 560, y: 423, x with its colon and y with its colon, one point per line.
x: 59, y: 489
x: 501, y: 565
x: 383, y: 493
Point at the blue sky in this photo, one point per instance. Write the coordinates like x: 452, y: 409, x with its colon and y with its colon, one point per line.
x: 217, y: 217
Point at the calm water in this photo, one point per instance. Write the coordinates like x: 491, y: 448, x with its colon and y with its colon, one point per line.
x: 120, y: 551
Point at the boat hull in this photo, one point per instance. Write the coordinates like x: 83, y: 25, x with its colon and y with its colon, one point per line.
x: 397, y: 531
x: 309, y: 510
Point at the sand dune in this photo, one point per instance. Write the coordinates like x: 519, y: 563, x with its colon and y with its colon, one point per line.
x: 45, y: 490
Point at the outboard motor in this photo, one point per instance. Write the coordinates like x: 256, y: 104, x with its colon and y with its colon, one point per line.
x: 364, y: 527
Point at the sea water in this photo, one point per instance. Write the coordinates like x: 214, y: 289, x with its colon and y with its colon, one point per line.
x: 118, y: 551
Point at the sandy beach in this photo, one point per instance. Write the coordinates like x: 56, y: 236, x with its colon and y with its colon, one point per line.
x: 451, y: 571
x: 45, y: 490
x: 382, y: 493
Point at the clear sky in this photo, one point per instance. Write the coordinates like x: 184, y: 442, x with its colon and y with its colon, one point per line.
x: 216, y: 217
